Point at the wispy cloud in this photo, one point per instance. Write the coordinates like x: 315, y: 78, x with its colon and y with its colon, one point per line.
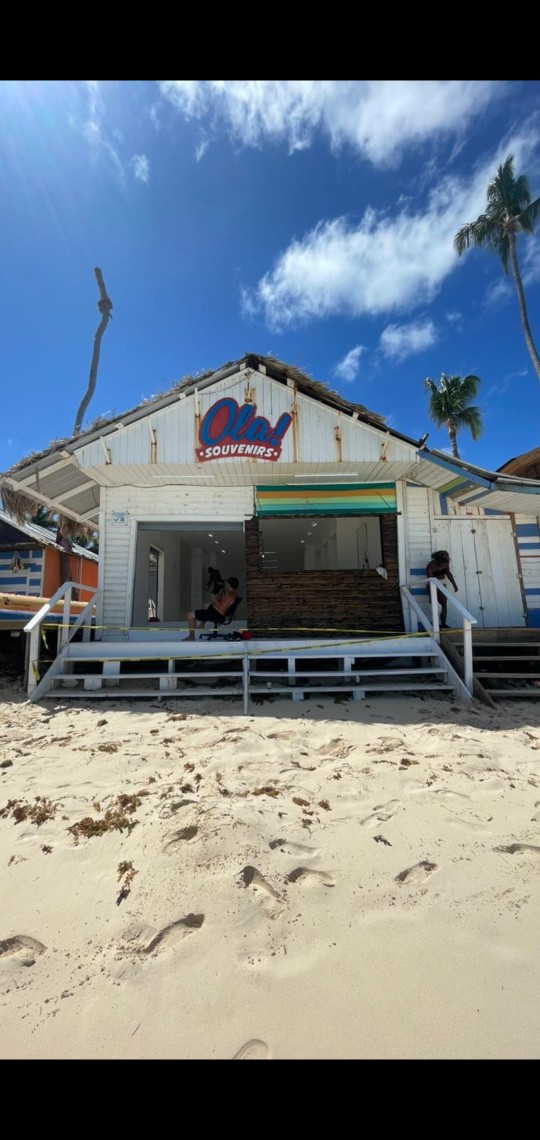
x: 141, y: 167
x: 105, y: 141
x: 399, y: 341
x: 454, y: 317
x: 378, y: 118
x: 95, y: 133
x: 498, y: 293
x: 530, y: 257
x: 347, y: 369
x: 383, y: 264
x: 502, y: 386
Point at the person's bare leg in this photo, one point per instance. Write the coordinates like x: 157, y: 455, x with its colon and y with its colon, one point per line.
x: 192, y: 621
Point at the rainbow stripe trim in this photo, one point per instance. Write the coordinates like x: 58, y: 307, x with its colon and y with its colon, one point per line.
x: 347, y: 499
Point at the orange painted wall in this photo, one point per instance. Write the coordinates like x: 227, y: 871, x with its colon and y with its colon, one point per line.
x: 82, y: 570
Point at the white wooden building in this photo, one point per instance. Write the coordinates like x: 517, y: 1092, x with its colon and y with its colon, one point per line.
x: 326, y: 516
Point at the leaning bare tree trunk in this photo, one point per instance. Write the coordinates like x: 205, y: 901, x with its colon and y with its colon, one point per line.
x: 522, y: 306
x: 105, y: 307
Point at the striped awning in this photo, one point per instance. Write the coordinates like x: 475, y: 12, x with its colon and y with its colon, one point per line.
x: 322, y: 499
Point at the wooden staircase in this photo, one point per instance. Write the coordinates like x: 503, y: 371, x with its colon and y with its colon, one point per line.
x: 249, y: 669
x: 506, y: 661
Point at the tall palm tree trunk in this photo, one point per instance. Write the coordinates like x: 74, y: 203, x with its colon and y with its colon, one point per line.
x: 453, y: 438
x: 522, y: 306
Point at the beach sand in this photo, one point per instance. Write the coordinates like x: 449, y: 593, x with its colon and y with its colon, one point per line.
x: 325, y: 879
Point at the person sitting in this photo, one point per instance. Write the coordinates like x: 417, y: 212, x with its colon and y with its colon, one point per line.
x: 217, y: 609
x: 439, y: 567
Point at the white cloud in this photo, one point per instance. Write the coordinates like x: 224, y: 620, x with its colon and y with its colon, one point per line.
x: 378, y: 118
x: 201, y: 149
x: 454, y: 317
x: 529, y: 254
x: 498, y: 292
x: 141, y: 167
x: 382, y: 264
x: 94, y: 131
x: 399, y: 341
x: 104, y: 139
x: 347, y: 369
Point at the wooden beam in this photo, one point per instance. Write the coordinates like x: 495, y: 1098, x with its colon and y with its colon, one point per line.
x: 106, y: 450
x: 44, y: 472
x: 75, y: 491
x: 52, y: 504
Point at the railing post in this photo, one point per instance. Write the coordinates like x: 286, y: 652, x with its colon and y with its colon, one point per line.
x: 64, y: 631
x: 33, y: 660
x: 468, y: 655
x: 434, y: 609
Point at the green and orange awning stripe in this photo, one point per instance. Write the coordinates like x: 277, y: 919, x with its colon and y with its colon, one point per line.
x: 322, y: 499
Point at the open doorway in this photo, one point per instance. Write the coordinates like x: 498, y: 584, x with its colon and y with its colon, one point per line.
x: 172, y: 564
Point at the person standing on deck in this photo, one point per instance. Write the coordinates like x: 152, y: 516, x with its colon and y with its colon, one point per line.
x: 439, y: 568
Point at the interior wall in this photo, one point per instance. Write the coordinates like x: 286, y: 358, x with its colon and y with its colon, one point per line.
x: 169, y: 543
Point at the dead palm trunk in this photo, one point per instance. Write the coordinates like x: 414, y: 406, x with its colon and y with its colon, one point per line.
x: 453, y: 438
x: 105, y: 307
x: 522, y: 306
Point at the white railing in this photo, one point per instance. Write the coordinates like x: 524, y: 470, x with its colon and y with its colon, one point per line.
x: 66, y: 627
x: 466, y: 620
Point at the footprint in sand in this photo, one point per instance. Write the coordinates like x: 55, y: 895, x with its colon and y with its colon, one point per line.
x: 173, y: 933
x: 381, y: 813
x: 179, y: 837
x: 302, y: 850
x: 263, y: 890
x: 308, y: 875
x: 27, y: 949
x: 253, y: 1051
x: 416, y: 874
x: 518, y: 848
x: 336, y: 748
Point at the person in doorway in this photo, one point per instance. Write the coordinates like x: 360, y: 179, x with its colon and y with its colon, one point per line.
x: 439, y: 567
x: 217, y: 609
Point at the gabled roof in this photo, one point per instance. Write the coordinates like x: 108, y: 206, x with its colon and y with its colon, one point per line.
x: 40, y: 536
x: 76, y: 494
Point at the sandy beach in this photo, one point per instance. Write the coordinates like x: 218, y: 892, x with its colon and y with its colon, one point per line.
x: 318, y: 880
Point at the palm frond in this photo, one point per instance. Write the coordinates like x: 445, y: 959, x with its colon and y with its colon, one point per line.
x: 469, y: 386
x: 470, y: 418
x: 529, y: 216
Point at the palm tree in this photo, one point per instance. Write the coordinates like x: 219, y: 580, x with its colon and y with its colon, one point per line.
x: 509, y: 211
x: 450, y: 406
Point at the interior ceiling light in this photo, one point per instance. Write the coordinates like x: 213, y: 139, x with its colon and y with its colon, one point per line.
x: 330, y: 475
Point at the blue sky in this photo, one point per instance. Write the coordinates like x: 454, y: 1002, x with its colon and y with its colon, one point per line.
x: 311, y: 219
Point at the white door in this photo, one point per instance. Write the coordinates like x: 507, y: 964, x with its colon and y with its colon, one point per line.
x: 484, y: 564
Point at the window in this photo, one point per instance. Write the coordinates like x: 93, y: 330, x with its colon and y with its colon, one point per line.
x: 337, y: 543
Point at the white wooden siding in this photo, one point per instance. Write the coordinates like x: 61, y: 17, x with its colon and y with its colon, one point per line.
x: 483, y: 557
x: 362, y: 445
x: 140, y: 504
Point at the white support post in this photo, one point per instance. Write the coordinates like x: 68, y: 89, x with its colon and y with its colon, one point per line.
x: 246, y: 680
x: 66, y: 619
x: 33, y: 660
x: 468, y: 655
x: 434, y: 609
x: 291, y: 669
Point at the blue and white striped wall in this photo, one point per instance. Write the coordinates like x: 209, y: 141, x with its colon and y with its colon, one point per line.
x: 26, y: 581
x: 528, y: 539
